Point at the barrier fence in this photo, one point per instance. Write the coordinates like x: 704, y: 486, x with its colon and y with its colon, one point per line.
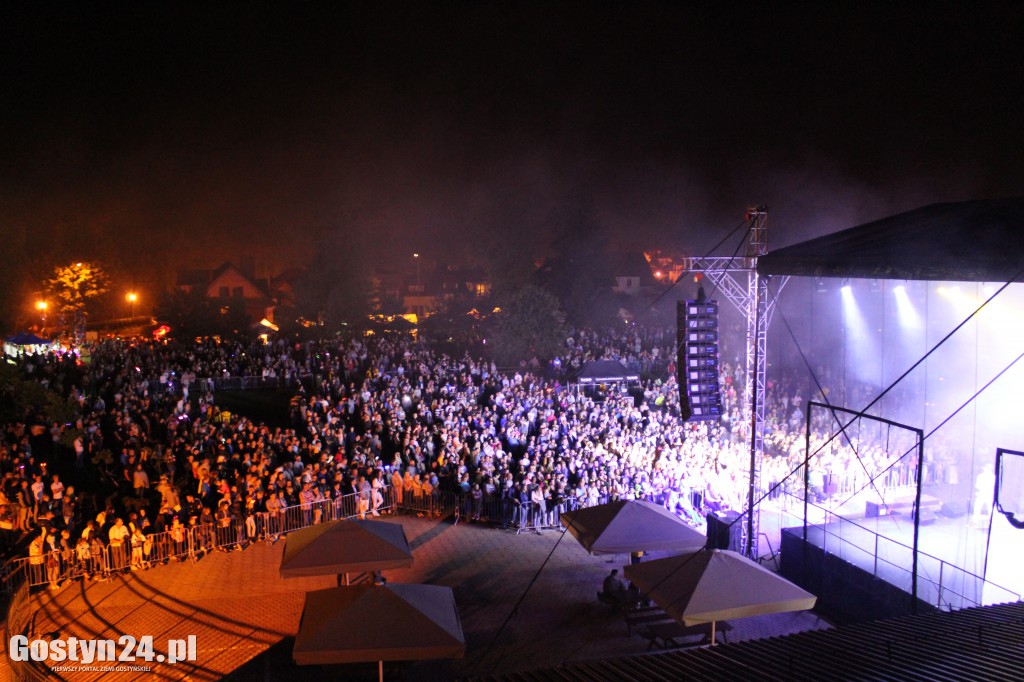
x: 506, y: 513
x: 101, y: 560
x: 229, y: 383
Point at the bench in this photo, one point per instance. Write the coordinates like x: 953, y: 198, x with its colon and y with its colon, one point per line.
x: 643, y: 616
x: 619, y: 602
x: 664, y: 635
x: 610, y: 600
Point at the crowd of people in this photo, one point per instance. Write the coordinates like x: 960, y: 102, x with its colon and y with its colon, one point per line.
x: 151, y: 451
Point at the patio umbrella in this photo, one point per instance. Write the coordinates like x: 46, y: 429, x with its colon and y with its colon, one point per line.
x: 380, y: 623
x: 343, y: 547
x: 627, y: 526
x: 714, y: 585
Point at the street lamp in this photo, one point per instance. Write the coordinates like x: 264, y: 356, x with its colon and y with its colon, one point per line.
x: 41, y: 306
x: 416, y: 257
x: 132, y: 297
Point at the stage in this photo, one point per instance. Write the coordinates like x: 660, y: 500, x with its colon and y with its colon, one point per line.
x: 878, y: 537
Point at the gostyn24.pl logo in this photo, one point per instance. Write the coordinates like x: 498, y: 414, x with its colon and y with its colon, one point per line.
x: 126, y: 649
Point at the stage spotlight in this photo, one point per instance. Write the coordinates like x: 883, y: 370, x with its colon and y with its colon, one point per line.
x: 862, y: 346
x: 962, y: 301
x: 909, y: 319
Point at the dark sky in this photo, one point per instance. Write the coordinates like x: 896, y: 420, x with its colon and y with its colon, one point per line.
x: 137, y: 131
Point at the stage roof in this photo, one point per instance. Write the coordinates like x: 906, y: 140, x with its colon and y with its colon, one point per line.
x: 967, y: 241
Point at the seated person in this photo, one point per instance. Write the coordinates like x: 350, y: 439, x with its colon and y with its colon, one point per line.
x: 614, y: 590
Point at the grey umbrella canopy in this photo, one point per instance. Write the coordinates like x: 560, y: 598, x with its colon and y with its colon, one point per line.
x: 713, y: 585
x: 351, y: 546
x: 627, y: 526
x: 366, y: 623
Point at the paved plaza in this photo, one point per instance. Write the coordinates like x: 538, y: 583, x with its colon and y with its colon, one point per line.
x: 244, y: 615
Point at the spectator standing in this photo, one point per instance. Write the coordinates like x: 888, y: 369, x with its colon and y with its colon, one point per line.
x: 140, y: 481
x: 118, y: 538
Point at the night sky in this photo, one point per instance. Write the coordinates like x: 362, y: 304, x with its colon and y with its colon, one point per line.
x: 154, y: 136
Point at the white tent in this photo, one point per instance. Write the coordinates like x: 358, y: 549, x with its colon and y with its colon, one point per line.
x: 715, y: 585
x: 350, y: 546
x: 365, y: 623
x: 627, y: 526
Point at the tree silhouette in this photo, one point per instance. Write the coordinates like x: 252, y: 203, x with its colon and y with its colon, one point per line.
x: 578, y: 271
x: 191, y: 314
x: 73, y: 286
x: 336, y: 287
x: 529, y: 325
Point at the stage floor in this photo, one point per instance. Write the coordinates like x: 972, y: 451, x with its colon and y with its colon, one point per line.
x: 956, y: 553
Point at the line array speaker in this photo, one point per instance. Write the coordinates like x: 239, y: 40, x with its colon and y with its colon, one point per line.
x: 700, y: 397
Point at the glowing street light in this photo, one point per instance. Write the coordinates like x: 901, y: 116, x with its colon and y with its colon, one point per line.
x: 132, y: 297
x: 416, y: 257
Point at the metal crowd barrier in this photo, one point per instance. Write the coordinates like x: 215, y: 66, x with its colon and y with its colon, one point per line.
x: 230, y: 383
x: 495, y: 510
x: 510, y: 513
x: 183, y: 543
x: 437, y: 504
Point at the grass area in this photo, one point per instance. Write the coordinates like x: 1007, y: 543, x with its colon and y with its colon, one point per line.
x: 268, y: 406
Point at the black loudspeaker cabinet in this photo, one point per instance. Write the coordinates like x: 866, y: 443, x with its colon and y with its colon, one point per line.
x: 953, y: 510
x: 700, y: 398
x: 725, y: 531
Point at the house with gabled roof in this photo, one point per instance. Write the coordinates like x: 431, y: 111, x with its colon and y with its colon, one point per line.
x: 632, y: 273
x: 232, y: 285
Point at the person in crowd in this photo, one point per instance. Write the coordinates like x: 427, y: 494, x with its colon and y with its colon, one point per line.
x: 118, y: 538
x: 138, y: 544
x: 83, y: 557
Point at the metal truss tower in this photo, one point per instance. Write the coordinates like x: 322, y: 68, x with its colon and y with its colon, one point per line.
x: 752, y: 301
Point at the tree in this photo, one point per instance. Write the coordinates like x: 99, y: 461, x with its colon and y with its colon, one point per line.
x: 336, y: 288
x: 530, y: 324
x: 73, y: 287
x: 578, y: 272
x: 380, y: 301
x: 451, y: 320
x: 194, y: 314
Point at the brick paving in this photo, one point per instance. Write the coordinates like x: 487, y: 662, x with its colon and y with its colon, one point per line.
x: 245, y: 616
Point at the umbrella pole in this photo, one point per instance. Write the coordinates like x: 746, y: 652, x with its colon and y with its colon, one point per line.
x: 380, y: 670
x: 712, y: 633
